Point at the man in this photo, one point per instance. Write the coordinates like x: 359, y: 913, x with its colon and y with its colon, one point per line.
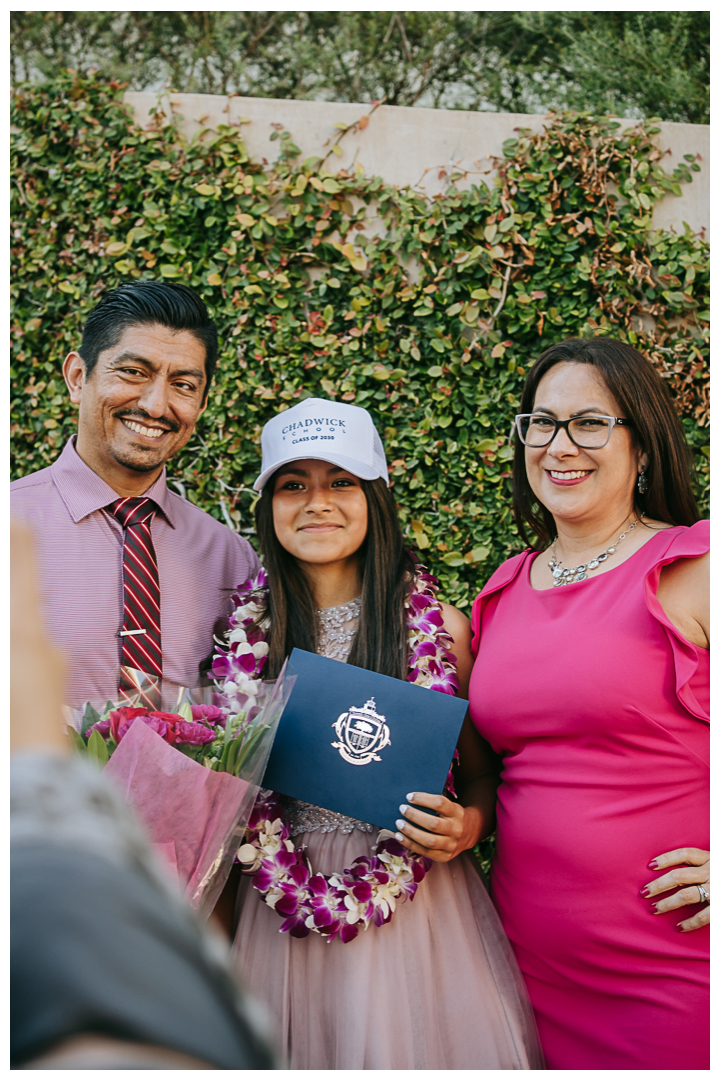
x: 132, y: 576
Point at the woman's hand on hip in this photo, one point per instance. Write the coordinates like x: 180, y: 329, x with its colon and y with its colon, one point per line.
x: 691, y: 871
x: 440, y: 838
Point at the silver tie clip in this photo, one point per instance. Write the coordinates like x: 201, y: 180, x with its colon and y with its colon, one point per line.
x: 129, y: 633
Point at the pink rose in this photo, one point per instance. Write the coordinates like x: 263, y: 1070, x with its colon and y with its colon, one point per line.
x: 208, y: 714
x: 193, y: 734
x: 102, y: 726
x: 122, y: 720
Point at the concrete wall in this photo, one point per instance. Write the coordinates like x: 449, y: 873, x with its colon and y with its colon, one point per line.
x: 414, y: 146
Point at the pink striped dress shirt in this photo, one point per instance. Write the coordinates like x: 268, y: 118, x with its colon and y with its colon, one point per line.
x: 80, y: 550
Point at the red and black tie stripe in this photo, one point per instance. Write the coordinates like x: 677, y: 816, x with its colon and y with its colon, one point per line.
x: 141, y: 651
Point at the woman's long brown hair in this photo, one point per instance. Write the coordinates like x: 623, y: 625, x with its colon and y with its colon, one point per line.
x: 644, y: 399
x: 386, y: 570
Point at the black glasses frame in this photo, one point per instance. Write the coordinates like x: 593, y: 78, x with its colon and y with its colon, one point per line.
x: 566, y: 425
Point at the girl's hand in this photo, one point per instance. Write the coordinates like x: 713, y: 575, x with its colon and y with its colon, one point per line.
x: 439, y: 838
x: 694, y: 874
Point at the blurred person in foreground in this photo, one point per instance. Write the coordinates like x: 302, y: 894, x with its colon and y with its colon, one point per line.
x: 109, y: 967
x: 591, y: 681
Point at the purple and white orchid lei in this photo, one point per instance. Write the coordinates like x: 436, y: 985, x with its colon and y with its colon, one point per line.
x: 339, y: 904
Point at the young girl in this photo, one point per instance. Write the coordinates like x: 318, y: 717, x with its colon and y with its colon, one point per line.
x: 436, y: 986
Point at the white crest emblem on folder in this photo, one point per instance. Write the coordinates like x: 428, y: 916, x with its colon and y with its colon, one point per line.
x: 361, y: 734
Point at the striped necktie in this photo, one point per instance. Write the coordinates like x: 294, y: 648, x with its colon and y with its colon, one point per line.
x: 141, y: 639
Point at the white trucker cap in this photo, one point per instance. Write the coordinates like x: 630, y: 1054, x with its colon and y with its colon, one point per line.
x: 323, y: 430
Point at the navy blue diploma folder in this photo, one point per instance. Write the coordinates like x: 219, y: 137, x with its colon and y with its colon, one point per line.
x: 356, y: 742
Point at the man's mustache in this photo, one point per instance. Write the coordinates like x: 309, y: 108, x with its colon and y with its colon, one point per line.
x: 148, y: 421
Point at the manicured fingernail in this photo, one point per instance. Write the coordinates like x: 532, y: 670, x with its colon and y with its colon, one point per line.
x: 399, y: 836
x: 653, y: 865
x: 643, y: 892
x: 410, y: 796
x: 680, y: 928
x: 403, y: 809
x: 400, y: 824
x: 655, y: 909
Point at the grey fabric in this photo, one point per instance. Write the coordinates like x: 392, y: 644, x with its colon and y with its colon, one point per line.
x: 101, y: 943
x: 95, y: 949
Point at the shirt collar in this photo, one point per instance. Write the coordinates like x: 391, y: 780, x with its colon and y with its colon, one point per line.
x: 84, y: 492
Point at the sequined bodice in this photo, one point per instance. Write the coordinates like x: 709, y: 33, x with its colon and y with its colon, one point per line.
x: 337, y: 627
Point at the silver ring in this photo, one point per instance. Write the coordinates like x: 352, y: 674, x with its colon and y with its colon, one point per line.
x: 704, y: 895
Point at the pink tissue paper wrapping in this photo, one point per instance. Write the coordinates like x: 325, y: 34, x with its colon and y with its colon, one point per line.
x: 185, y: 805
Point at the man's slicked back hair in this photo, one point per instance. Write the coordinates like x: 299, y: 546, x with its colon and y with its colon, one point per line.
x: 143, y: 303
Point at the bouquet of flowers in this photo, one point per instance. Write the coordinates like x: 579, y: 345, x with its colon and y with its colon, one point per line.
x: 191, y: 774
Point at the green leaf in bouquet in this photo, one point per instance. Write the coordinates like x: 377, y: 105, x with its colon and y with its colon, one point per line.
x: 189, y: 751
x: 185, y: 710
x: 249, y: 748
x: 229, y: 730
x: 90, y: 716
x: 230, y: 757
x: 97, y: 748
x: 232, y: 726
x: 224, y: 756
x: 76, y: 739
x: 231, y: 738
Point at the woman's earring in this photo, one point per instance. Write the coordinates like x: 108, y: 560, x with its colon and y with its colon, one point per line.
x: 642, y: 481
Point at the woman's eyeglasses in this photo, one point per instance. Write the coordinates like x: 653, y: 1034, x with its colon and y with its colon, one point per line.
x: 587, y: 432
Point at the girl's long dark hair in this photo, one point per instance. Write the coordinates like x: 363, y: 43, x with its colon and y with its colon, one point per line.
x: 386, y: 569
x: 644, y: 399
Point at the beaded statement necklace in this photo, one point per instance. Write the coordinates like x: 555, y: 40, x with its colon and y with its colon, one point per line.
x: 580, y: 572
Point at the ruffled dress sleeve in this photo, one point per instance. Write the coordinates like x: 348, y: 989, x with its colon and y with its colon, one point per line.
x: 691, y: 661
x: 505, y: 573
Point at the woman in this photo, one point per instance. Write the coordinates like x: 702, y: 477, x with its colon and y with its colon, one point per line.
x: 591, y: 680
x: 436, y: 987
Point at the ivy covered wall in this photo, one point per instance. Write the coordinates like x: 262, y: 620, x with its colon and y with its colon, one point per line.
x: 430, y: 324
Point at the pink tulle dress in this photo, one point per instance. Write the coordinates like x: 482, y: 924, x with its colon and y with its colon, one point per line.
x: 436, y: 988
x: 599, y: 707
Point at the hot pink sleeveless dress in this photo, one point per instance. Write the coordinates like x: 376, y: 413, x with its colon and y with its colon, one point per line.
x: 599, y: 707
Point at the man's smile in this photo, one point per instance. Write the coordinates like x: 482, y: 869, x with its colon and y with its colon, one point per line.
x: 141, y: 429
